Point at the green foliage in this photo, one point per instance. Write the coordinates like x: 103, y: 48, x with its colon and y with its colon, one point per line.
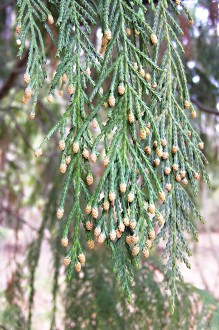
x: 32, y: 16
x: 188, y: 160
x: 105, y: 307
x: 94, y: 300
x: 134, y: 90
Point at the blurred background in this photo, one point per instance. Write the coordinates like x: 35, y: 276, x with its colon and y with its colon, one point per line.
x: 34, y: 293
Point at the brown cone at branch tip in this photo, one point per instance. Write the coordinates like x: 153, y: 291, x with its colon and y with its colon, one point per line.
x: 38, y: 152
x: 93, y: 157
x: 71, y: 89
x: 50, y: 19
x: 167, y: 170
x: 185, y: 181
x: 131, y: 197
x: 18, y: 42
x: 196, y: 175
x: 174, y: 149
x: 112, y: 196
x: 148, y: 244
x: 160, y: 219
x: 63, y: 168
x: 132, y: 224
x: 168, y: 187
x: 122, y: 187
x: 187, y: 105
x: 131, y: 118
x: 135, y: 65
x: 32, y: 115
x: 108, y: 35
x: 101, y: 239
x: 175, y: 167
x: 145, y: 252
x: 182, y: 174
x: 94, y: 212
x: 89, y: 225
x: 201, y: 145
x: 164, y: 142
x: 142, y: 72
x: 193, y: 114
x: 135, y: 239
x: 165, y: 155
x: 156, y: 162
x: 135, y: 250
x: 159, y: 152
x: 162, y: 196
x: 88, y: 71
x: 112, y: 101
x: 147, y: 130
x: 61, y: 145
x: 64, y: 241
x: 106, y: 205
x: 178, y: 178
x: 126, y: 221
x: 128, y: 240
x: 75, y: 147
x: 82, y: 258
x: 89, y: 179
x: 148, y: 76
x: 128, y: 32
x: 151, y: 208
x: 28, y: 92
x: 143, y: 134
x: 97, y: 231
x: 121, y: 89
x: 85, y: 154
x: 88, y: 209
x: 27, y: 78
x: 18, y: 29
x: 118, y: 233
x: 90, y: 244
x: 95, y: 123
x: 147, y: 150
x: 153, y: 38
x: 68, y: 160
x: 151, y: 234
x: 105, y: 161
x: 50, y: 98
x: 64, y: 77
x: 77, y: 267
x: 66, y: 261
x: 154, y: 85
x: 121, y: 227
x: 112, y: 235
x: 59, y: 214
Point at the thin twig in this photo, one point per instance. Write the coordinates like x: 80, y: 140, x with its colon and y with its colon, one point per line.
x: 17, y: 217
x: 13, y: 75
x: 203, y: 108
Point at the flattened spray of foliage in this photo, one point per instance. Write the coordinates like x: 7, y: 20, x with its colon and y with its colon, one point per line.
x: 129, y: 108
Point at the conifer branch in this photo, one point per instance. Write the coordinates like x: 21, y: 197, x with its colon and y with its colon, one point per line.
x: 147, y: 146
